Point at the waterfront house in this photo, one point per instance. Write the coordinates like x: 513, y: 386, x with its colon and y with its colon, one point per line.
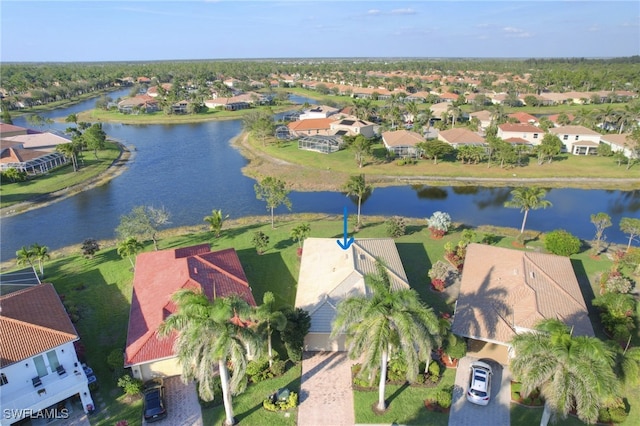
x: 528, y: 132
x: 403, y: 143
x: 459, y: 136
x: 39, y: 366
x: 578, y: 140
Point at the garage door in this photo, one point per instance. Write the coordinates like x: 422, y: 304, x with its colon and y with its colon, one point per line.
x: 323, y: 342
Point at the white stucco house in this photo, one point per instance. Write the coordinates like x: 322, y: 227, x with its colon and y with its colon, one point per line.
x: 329, y: 274
x: 621, y: 142
x: 578, y: 140
x: 39, y: 367
x: 530, y: 133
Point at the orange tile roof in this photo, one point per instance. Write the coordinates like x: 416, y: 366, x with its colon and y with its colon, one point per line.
x: 459, y: 135
x: 504, y: 290
x: 520, y: 127
x: 33, y: 321
x: 311, y: 124
x: 523, y: 117
x: 158, y: 275
x: 401, y: 138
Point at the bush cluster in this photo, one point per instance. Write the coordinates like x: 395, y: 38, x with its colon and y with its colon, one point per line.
x: 396, y: 227
x: 562, y: 243
x: 290, y: 402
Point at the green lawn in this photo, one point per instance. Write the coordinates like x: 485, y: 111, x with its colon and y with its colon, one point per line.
x: 100, y: 289
x: 61, y: 178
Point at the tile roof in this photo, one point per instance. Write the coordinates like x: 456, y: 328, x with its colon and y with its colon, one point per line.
x: 401, y: 138
x: 573, y: 130
x: 503, y: 291
x: 523, y: 117
x: 32, y: 321
x: 460, y: 136
x: 619, y: 139
x: 311, y: 124
x: 328, y: 274
x: 10, y: 128
x: 519, y: 127
x: 158, y: 275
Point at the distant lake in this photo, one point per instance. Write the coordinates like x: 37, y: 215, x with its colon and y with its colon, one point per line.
x: 191, y: 169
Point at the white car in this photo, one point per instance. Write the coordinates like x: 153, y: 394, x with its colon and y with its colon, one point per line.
x: 479, y: 383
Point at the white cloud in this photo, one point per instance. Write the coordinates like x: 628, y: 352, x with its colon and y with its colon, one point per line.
x: 373, y: 12
x: 403, y: 12
x: 514, y: 32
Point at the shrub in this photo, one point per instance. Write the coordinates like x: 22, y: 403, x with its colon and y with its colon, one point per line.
x: 260, y: 241
x: 439, y: 223
x: 614, y: 282
x: 90, y: 247
x: 258, y: 370
x: 617, y: 313
x: 489, y: 239
x: 298, y: 325
x: 562, y: 243
x: 278, y: 367
x: 396, y: 227
x: 130, y: 385
x: 271, y: 405
x: 434, y: 369
x: 396, y: 369
x: 443, y: 398
x: 455, y: 347
x: 437, y: 284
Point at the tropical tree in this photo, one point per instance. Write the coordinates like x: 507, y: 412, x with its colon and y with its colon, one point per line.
x: 40, y: 254
x: 630, y: 226
x: 357, y: 187
x: 550, y: 146
x: 129, y: 248
x: 211, y: 336
x: 435, y: 148
x: 70, y: 151
x: 526, y: 199
x: 215, y: 221
x: 144, y: 222
x: 388, y: 322
x: 601, y: 221
x: 24, y: 256
x: 95, y: 138
x: 361, y: 148
x: 570, y: 372
x: 274, y: 192
x: 300, y: 232
x: 269, y: 319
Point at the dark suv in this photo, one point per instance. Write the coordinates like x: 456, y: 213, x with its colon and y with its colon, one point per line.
x: 154, y: 404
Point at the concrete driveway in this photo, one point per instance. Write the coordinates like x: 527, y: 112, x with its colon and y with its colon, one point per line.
x: 326, y: 397
x: 496, y: 413
x: 182, y: 404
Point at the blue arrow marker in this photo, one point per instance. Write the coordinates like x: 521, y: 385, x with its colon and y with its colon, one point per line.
x: 346, y: 241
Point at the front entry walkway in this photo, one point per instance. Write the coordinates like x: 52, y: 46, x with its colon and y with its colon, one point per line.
x: 326, y: 397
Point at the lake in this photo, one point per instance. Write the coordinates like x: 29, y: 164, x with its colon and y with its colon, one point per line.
x: 191, y: 169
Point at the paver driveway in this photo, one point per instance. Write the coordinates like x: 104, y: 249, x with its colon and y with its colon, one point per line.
x: 326, y: 397
x: 182, y: 404
x: 496, y: 413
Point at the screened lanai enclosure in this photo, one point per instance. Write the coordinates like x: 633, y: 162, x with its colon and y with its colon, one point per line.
x: 321, y: 143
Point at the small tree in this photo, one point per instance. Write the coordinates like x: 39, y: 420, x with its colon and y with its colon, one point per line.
x: 439, y: 223
x: 40, y: 254
x: 361, y: 148
x: 298, y: 325
x: 129, y: 248
x: 215, y: 221
x: 274, y: 192
x: 260, y: 241
x: 601, y: 221
x: 300, y: 232
x: 562, y: 243
x: 144, y: 222
x: 396, y: 227
x: 90, y: 247
x: 129, y: 385
x: 630, y: 226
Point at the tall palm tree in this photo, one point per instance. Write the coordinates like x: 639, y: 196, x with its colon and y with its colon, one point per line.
x: 356, y: 186
x: 570, y: 372
x: 210, y: 336
x: 40, y: 253
x: 527, y: 199
x: 268, y: 319
x: 215, y: 221
x: 24, y: 256
x: 129, y: 248
x: 454, y: 111
x: 384, y: 323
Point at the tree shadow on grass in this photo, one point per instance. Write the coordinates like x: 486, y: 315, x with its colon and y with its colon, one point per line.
x: 396, y: 393
x: 416, y: 263
x: 268, y: 272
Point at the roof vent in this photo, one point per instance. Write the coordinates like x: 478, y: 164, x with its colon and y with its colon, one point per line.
x: 532, y: 274
x: 195, y: 270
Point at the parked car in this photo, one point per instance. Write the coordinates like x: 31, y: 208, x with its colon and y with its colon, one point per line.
x: 479, y: 383
x: 154, y: 403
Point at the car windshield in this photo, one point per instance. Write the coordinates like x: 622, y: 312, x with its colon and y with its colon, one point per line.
x: 478, y: 393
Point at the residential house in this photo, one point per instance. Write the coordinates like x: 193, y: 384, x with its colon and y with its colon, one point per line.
x: 621, y: 142
x: 555, y: 117
x: 524, y: 118
x: 329, y: 274
x: 352, y: 126
x: 32, y: 152
x: 39, y: 366
x: 403, y: 143
x: 153, y: 90
x: 318, y: 111
x: 448, y: 97
x: 459, y: 136
x: 158, y: 275
x: 484, y: 116
x: 578, y: 140
x: 311, y: 126
x: 139, y: 103
x: 504, y: 292
x: 528, y: 132
x: 7, y: 130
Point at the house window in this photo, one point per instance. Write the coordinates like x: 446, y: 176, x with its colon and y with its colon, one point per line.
x: 535, y: 136
x: 565, y: 138
x: 3, y: 379
x: 53, y: 360
x: 577, y: 137
x: 41, y: 368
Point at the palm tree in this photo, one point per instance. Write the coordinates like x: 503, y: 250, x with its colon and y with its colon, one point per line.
x: 40, y: 253
x: 215, y: 221
x: 129, y: 248
x: 454, y: 111
x: 356, y: 186
x: 70, y: 151
x: 300, y: 232
x: 210, y: 336
x: 527, y: 199
x: 570, y: 372
x: 268, y: 319
x: 25, y: 256
x: 385, y: 323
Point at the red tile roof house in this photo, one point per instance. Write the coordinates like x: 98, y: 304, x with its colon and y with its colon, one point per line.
x: 403, y: 143
x: 311, y: 126
x: 39, y: 367
x: 143, y: 103
x: 528, y: 132
x: 504, y: 292
x: 158, y: 275
x: 459, y: 136
x: 524, y: 118
x: 578, y: 140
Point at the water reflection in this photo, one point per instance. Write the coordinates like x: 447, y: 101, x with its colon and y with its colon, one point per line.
x: 426, y: 192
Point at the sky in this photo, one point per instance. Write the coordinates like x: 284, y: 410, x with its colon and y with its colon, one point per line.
x: 96, y: 31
